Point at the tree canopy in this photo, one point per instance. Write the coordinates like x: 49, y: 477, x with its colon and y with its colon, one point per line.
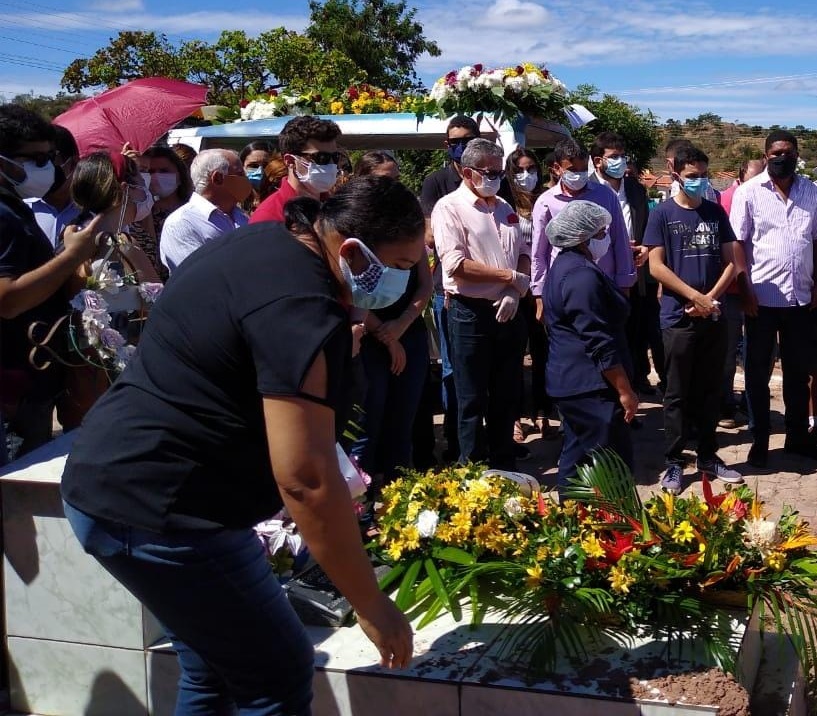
x: 347, y: 41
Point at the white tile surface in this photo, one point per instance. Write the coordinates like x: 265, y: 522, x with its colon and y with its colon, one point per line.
x: 51, y: 677
x: 43, y: 465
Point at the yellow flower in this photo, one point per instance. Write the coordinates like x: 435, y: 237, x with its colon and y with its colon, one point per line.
x: 365, y: 95
x: 592, y: 547
x: 411, y: 537
x: 542, y: 553
x: 336, y: 108
x: 534, y: 576
x: 395, y: 550
x: 684, y: 532
x: 701, y: 553
x: 569, y: 507
x: 775, y: 561
x: 619, y: 580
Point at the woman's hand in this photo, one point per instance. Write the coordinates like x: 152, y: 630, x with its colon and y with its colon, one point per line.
x: 390, y: 331
x: 389, y: 630
x: 398, y: 357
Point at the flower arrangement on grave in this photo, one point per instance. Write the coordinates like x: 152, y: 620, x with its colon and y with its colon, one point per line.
x: 506, y: 93
x: 365, y: 99
x: 282, y: 103
x: 109, y: 312
x: 601, y: 562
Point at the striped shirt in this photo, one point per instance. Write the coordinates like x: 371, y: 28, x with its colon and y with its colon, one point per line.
x: 778, y: 237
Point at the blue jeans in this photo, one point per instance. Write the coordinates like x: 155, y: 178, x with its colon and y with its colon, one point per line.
x: 487, y: 360
x: 391, y: 402
x: 241, y: 647
x: 449, y: 389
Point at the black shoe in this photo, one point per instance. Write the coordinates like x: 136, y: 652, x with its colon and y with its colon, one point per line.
x: 801, y: 448
x: 758, y: 454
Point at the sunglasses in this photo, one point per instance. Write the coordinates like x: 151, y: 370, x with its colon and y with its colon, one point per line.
x: 321, y: 157
x: 458, y: 141
x: 40, y: 159
x: 490, y: 174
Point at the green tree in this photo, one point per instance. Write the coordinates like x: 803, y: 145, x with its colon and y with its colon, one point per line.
x: 380, y: 36
x: 639, y: 128
x: 49, y: 107
x: 129, y: 56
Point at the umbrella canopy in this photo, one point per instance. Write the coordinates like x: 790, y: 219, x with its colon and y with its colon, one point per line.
x: 138, y: 112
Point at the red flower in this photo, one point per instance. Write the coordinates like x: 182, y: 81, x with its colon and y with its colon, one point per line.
x: 243, y: 103
x: 478, y: 68
x: 616, y: 549
x: 545, y: 73
x: 513, y: 219
x: 540, y: 505
x: 353, y: 93
x: 273, y: 93
x: 520, y: 70
x: 316, y: 98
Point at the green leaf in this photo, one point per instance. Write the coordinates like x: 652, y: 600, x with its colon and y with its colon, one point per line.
x: 405, y: 595
x: 455, y: 555
x: 437, y: 582
x: 391, y: 576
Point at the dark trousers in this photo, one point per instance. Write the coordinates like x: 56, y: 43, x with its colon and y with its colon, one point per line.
x: 644, y: 332
x: 241, y: 647
x: 391, y: 402
x: 540, y: 403
x: 486, y: 357
x: 449, y: 390
x: 695, y: 350
x: 590, y: 421
x: 795, y: 328
x: 732, y: 313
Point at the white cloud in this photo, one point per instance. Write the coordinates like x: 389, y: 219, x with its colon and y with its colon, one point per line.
x: 510, y: 14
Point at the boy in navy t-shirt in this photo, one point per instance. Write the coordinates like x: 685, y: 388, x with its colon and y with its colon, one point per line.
x: 692, y: 256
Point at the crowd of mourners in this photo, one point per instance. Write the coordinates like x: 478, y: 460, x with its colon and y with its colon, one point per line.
x: 310, y: 300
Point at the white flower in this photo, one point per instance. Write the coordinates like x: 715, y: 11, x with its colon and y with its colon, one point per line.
x: 150, y: 291
x: 534, y: 79
x: 277, y: 534
x: 513, y: 507
x: 93, y: 324
x: 427, y: 522
x: 440, y: 91
x: 107, y: 278
x: 761, y: 534
x: 465, y: 73
x: 516, y: 84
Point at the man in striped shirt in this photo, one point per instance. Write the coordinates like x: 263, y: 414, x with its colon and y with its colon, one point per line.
x: 775, y: 216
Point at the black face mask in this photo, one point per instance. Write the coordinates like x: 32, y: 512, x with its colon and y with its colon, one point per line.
x: 781, y: 167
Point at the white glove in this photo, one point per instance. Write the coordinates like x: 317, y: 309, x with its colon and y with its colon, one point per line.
x: 521, y: 282
x: 506, y: 308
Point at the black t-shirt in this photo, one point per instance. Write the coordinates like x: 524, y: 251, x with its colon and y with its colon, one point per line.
x: 692, y: 241
x: 436, y: 185
x: 23, y: 248
x: 179, y: 440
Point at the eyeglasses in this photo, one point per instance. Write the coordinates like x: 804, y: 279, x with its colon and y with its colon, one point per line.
x: 458, y: 141
x: 490, y: 174
x: 40, y: 159
x: 321, y: 157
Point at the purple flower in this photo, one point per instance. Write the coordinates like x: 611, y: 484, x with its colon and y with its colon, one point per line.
x: 112, y: 339
x: 150, y: 292
x: 91, y: 301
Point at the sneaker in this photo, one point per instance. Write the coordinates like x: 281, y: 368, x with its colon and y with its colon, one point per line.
x: 716, y: 468
x: 672, y: 481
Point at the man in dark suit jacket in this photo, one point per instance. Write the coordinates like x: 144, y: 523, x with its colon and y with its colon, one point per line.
x: 609, y: 157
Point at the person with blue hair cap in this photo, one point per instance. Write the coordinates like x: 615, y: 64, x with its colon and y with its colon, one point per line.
x: 589, y: 367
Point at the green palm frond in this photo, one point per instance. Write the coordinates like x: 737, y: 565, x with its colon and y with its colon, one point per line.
x: 606, y: 483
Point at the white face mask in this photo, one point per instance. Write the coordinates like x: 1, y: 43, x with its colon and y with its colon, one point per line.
x: 165, y: 184
x: 575, y: 181
x: 144, y: 206
x: 320, y: 177
x: 37, y: 182
x: 487, y: 187
x: 527, y: 180
x: 599, y: 247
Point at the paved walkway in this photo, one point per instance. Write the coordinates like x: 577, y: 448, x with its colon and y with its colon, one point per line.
x: 787, y: 480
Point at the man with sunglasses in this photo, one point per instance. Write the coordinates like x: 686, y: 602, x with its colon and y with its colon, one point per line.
x: 486, y: 270
x: 31, y: 276
x: 309, y: 148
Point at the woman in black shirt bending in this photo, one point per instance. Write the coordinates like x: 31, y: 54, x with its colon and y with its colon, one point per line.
x: 230, y: 409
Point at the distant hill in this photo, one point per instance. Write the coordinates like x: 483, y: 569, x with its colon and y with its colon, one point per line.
x: 728, y: 144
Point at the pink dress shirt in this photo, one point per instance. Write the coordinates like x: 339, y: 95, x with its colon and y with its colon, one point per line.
x: 465, y: 226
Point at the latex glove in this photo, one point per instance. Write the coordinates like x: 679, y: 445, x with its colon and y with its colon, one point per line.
x: 506, y: 308
x: 521, y: 282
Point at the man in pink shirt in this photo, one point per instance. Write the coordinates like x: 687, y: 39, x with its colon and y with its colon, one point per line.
x: 486, y: 270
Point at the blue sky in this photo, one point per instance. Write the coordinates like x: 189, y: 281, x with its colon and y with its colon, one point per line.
x: 742, y: 59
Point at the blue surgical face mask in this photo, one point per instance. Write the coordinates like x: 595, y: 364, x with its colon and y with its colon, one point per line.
x: 695, y: 188
x: 378, y: 286
x: 615, y: 167
x: 255, y: 175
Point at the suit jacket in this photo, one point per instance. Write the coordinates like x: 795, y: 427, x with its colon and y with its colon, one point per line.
x: 639, y: 204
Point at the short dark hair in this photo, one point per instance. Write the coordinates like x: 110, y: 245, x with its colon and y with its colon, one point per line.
x: 462, y: 121
x: 780, y: 135
x: 569, y: 149
x: 64, y: 143
x: 18, y: 125
x: 300, y: 130
x: 370, y: 160
x: 673, y: 145
x: 607, y: 140
x: 688, y: 155
x: 375, y: 209
x: 259, y: 145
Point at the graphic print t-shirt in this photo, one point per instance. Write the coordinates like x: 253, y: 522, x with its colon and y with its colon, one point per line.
x: 692, y: 240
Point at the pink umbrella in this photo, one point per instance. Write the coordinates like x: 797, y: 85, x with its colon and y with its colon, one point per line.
x: 138, y: 112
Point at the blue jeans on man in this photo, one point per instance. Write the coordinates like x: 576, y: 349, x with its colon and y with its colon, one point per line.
x: 486, y: 357
x: 241, y: 647
x: 449, y: 391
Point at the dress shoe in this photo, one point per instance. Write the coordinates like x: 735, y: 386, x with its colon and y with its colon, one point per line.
x: 758, y: 455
